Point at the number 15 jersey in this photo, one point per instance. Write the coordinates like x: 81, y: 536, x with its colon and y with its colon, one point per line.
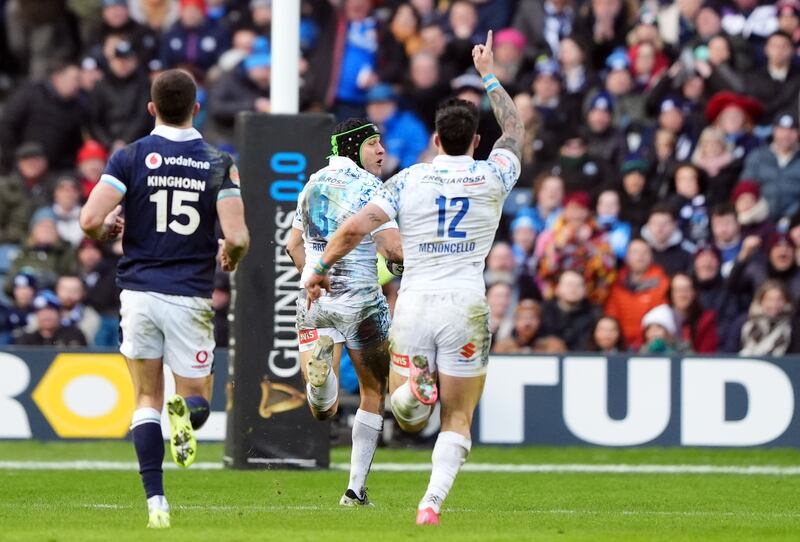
x: 171, y: 181
x: 448, y: 213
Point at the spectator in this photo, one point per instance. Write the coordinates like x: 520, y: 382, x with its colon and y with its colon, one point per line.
x: 156, y: 15
x: 194, y: 42
x: 576, y: 243
x: 523, y: 237
x: 50, y: 331
x: 19, y: 314
x: 676, y: 22
x: 500, y: 265
x: 425, y: 88
x: 46, y: 112
x: 509, y: 60
x: 629, y: 105
x: 713, y: 294
x: 789, y: 19
x: 663, y: 164
x: 771, y: 328
x: 578, y: 79
x: 116, y: 19
x: 714, y: 156
x: 462, y: 29
x: 92, y: 158
x: 697, y: 325
x: 90, y: 75
x: 40, y: 34
x: 71, y: 293
x: 647, y: 64
x: 660, y: 333
x: 118, y: 105
x: 530, y: 119
x: 569, y: 315
x: 754, y: 267
x: 735, y: 115
x: 399, y: 41
x: 777, y: 84
x: 550, y: 345
x: 642, y: 285
x: 670, y: 250
x: 606, y: 337
x: 527, y: 320
x: 604, y: 142
x: 635, y: 195
x: 67, y: 209
x: 499, y: 298
x: 243, y: 89
x: 554, y: 112
x: 619, y: 232
x: 690, y: 204
x: 403, y: 135
x: 544, y: 23
x: 580, y: 172
x: 752, y: 211
x: 776, y: 168
x: 548, y: 193
x: 45, y: 255
x: 98, y: 273
x: 672, y: 117
x: 727, y: 236
x: 603, y: 25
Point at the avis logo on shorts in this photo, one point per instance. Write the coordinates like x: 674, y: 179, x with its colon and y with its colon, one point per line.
x: 153, y: 160
x: 308, y: 336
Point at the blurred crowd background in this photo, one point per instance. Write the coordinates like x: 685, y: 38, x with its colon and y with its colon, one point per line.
x: 659, y: 204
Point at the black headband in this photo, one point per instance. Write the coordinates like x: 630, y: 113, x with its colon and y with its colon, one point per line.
x: 349, y: 143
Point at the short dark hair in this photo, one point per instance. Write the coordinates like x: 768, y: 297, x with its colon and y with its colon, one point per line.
x: 662, y: 209
x: 456, y: 124
x: 174, y: 94
x: 723, y: 209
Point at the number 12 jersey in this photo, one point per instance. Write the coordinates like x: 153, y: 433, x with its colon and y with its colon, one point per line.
x: 448, y: 212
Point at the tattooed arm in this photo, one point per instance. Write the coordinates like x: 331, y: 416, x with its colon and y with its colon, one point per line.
x: 503, y: 106
x: 346, y: 238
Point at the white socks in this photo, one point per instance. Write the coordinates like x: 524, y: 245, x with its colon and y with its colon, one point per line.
x: 324, y: 397
x: 407, y: 408
x: 366, y: 431
x: 449, y: 454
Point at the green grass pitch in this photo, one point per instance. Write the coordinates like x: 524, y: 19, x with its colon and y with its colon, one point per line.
x: 222, y: 505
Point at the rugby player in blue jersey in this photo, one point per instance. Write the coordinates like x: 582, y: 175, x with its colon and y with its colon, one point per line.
x: 174, y: 188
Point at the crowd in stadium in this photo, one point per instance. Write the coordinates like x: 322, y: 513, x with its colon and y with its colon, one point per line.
x: 659, y: 204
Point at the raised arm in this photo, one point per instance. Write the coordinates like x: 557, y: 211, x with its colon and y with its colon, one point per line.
x: 346, y: 238
x: 503, y: 106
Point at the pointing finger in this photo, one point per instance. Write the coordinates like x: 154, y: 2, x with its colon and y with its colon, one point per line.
x: 489, y: 40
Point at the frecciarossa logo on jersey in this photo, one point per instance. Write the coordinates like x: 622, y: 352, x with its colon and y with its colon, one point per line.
x: 155, y: 161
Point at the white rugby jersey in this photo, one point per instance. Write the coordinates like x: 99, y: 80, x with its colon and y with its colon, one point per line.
x: 448, y: 213
x: 332, y: 195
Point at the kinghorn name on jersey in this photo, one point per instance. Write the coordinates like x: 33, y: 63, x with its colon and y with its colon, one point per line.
x: 447, y: 248
x: 169, y: 181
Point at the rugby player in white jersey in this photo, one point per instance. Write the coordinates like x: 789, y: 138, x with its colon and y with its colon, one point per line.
x: 448, y: 212
x: 355, y: 314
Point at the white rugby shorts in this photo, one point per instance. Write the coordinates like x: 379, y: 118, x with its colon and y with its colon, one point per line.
x: 360, y: 325
x: 450, y: 328
x: 176, y: 328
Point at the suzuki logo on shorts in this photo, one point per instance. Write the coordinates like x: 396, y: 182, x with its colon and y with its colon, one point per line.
x: 153, y: 160
x: 468, y: 350
x: 308, y: 336
x: 400, y: 360
x: 201, y: 357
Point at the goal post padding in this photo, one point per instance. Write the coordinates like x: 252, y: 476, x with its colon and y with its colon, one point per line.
x: 269, y: 424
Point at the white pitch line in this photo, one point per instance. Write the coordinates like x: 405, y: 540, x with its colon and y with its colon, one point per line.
x: 333, y: 508
x: 770, y: 470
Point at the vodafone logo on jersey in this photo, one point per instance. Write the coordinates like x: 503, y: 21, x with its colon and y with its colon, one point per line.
x: 153, y: 160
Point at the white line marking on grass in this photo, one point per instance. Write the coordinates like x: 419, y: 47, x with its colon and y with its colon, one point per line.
x: 770, y: 470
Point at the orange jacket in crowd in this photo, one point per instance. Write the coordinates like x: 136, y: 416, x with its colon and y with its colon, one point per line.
x: 628, y: 303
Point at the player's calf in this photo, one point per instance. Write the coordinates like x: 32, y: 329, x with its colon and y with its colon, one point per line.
x: 411, y: 415
x: 149, y: 445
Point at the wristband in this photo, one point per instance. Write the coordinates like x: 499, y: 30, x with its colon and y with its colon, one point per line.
x: 321, y: 268
x: 488, y: 77
x: 490, y: 82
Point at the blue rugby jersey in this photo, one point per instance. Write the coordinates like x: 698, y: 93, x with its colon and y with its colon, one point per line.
x: 171, y: 181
